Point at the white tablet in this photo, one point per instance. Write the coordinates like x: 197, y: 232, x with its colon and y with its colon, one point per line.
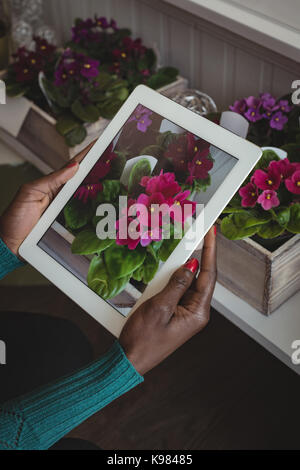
x: 142, y: 200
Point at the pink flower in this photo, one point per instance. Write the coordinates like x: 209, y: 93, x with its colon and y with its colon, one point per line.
x: 249, y: 195
x: 164, y: 183
x: 130, y: 228
x: 268, y: 199
x: 180, y: 207
x: 283, y: 167
x: 199, y: 166
x: 270, y: 180
x: 153, y: 235
x: 293, y: 184
x: 88, y: 191
x: 156, y: 208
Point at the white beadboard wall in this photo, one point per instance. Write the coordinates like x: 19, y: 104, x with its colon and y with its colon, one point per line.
x: 215, y: 60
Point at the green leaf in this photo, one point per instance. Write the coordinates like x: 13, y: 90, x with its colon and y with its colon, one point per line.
x: 66, y: 124
x: 153, y: 150
x: 55, y: 94
x: 250, y: 218
x: 76, y: 136
x: 162, y: 77
x: 121, y: 261
x: 167, y: 248
x: 110, y: 108
x: 267, y: 157
x: 166, y: 138
x: 270, y: 230
x: 99, y: 280
x: 15, y: 90
x: 148, y: 269
x: 110, y: 192
x: 87, y: 243
x: 77, y: 214
x: 294, y: 223
x: 283, y: 216
x: 140, y: 169
x: 232, y: 232
x: 117, y: 165
x: 201, y: 184
x: 87, y: 113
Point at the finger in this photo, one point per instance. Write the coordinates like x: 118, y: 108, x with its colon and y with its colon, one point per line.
x: 206, y: 280
x: 80, y: 156
x: 51, y: 184
x: 168, y: 299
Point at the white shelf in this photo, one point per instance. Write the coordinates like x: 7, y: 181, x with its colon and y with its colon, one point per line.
x: 276, y: 333
x: 270, y: 30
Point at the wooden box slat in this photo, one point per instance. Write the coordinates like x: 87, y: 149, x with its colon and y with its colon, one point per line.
x: 263, y: 279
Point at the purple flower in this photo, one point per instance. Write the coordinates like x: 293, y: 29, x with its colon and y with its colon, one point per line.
x: 278, y: 121
x: 253, y: 115
x: 249, y: 195
x: 141, y: 116
x: 253, y: 103
x: 268, y: 199
x: 88, y: 67
x: 284, y: 106
x: 102, y: 22
x: 239, y: 106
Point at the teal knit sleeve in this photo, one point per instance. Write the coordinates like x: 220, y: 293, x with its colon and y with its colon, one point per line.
x: 39, y: 419
x: 8, y: 260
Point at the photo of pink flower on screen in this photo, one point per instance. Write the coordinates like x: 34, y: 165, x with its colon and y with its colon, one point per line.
x: 92, y: 183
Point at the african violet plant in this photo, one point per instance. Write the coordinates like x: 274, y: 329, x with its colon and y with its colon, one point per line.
x: 128, y: 58
x: 267, y: 206
x: 116, y: 261
x: 90, y: 79
x: 268, y: 203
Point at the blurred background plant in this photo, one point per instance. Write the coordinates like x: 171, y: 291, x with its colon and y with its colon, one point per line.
x: 5, y: 27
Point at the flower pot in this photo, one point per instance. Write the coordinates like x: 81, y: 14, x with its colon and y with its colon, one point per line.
x: 37, y: 140
x: 262, y: 278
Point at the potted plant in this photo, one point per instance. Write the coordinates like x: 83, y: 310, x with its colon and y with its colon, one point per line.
x: 75, y: 91
x: 259, y: 229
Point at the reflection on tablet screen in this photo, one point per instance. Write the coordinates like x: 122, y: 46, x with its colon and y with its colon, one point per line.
x: 130, y: 212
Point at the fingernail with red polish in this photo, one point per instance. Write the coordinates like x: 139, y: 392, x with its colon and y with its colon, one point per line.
x: 72, y: 164
x: 215, y: 230
x: 192, y: 264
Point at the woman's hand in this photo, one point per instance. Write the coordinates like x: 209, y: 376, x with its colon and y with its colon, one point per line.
x: 167, y: 320
x: 31, y: 201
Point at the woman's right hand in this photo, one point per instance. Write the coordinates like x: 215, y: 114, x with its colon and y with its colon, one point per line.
x: 167, y: 320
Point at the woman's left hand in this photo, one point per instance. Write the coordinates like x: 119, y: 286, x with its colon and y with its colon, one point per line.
x: 31, y: 201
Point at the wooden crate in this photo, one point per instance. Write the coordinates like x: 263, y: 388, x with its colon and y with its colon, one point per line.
x: 40, y: 143
x: 262, y: 278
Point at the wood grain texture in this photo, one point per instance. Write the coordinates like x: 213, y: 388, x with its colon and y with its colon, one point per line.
x: 263, y: 279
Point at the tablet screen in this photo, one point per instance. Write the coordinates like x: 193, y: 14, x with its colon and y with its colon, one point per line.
x: 131, y: 211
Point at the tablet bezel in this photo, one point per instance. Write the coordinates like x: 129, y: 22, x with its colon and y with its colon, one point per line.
x: 246, y: 153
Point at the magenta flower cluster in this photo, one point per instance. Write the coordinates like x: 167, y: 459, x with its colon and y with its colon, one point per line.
x: 74, y: 66
x: 161, y: 193
x: 264, y: 184
x: 91, y: 29
x: 266, y: 107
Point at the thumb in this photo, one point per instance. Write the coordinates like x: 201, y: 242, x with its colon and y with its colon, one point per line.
x: 51, y: 184
x: 178, y: 284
